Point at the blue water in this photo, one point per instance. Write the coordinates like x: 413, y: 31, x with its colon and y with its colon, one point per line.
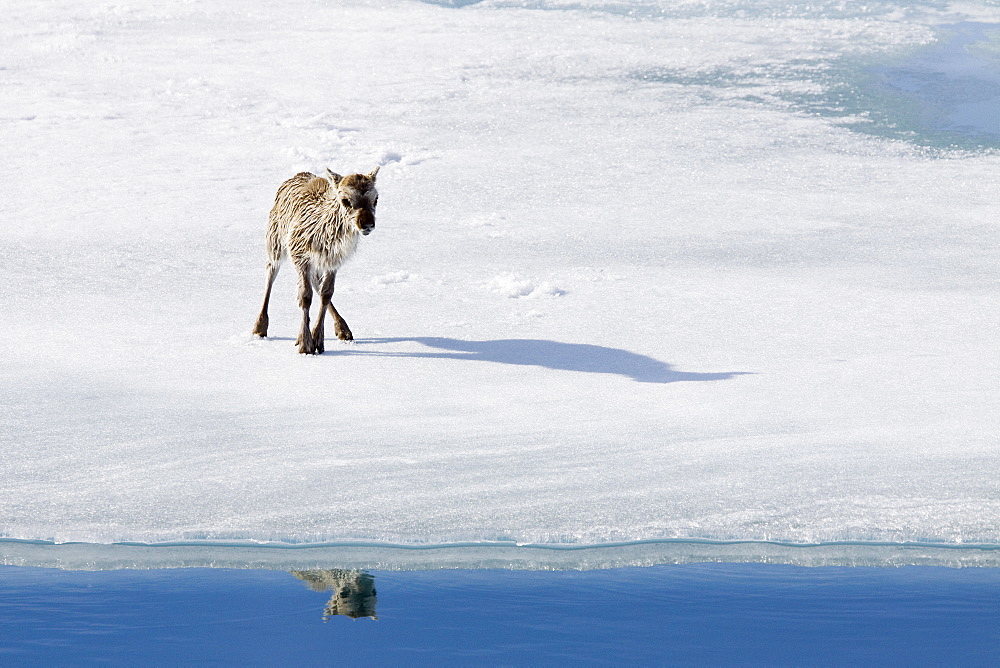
x: 676, y: 614
x: 945, y: 95
x: 949, y: 92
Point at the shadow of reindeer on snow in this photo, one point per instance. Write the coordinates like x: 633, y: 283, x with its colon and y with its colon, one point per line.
x: 581, y: 357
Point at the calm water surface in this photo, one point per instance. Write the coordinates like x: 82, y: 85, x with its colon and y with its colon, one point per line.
x: 705, y: 613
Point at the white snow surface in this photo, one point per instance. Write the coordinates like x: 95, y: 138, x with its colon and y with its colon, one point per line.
x: 622, y: 287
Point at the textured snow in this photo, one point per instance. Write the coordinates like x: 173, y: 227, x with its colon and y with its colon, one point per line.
x: 644, y: 270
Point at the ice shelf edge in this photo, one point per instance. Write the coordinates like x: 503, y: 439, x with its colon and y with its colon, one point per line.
x: 373, y: 556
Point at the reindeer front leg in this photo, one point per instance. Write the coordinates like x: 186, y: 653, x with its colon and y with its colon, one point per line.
x: 339, y: 324
x: 305, y: 341
x: 325, y: 293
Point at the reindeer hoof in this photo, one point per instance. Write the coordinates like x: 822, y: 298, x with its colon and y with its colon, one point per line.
x: 317, y: 337
x: 344, y: 333
x: 260, y: 329
x: 307, y: 347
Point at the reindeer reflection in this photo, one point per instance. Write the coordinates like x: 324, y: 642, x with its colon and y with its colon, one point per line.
x: 353, y: 591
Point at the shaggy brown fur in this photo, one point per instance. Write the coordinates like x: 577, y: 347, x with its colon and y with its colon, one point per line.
x: 317, y: 222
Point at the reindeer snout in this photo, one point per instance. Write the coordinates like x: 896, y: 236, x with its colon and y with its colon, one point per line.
x: 366, y: 221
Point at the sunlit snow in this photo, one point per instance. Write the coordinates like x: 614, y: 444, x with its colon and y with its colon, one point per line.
x: 642, y: 270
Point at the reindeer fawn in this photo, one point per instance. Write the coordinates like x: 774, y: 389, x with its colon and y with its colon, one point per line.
x: 317, y: 222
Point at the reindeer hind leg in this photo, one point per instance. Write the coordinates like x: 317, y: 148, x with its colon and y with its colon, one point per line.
x: 260, y: 329
x: 339, y: 324
x: 275, y: 256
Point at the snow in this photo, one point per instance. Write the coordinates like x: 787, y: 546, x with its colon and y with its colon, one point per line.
x: 637, y: 275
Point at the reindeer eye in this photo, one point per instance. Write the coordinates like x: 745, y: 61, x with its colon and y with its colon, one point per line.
x: 346, y: 202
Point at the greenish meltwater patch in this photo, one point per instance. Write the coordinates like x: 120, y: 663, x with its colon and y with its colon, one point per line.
x: 944, y: 95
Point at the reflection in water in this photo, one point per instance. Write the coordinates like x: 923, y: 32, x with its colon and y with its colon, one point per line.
x: 353, y: 591
x: 695, y: 614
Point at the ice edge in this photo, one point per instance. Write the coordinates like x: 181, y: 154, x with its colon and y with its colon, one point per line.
x: 483, y: 555
x: 281, y: 545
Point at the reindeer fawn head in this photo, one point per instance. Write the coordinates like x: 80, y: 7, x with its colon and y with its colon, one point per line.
x: 358, y: 197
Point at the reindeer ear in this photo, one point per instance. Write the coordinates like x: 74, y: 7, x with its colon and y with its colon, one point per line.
x: 335, y: 178
x: 372, y: 174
